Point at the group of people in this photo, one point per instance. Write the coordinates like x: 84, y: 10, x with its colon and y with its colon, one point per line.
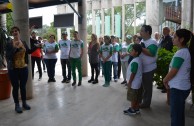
x: 137, y: 56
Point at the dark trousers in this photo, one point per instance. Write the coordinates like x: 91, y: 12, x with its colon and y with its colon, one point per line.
x: 119, y: 66
x: 50, y: 65
x: 94, y: 66
x: 38, y: 62
x: 147, y: 85
x: 177, y: 106
x: 115, y: 70
x: 106, y: 67
x: 18, y: 78
x: 64, y: 63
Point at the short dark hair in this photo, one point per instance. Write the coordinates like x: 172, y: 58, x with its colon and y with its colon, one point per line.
x: 52, y: 36
x: 14, y: 27
x: 148, y: 28
x: 137, y: 48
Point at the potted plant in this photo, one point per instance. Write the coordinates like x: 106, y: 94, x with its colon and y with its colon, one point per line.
x: 5, y: 86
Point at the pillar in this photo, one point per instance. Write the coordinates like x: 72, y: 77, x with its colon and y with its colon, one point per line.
x: 186, y: 19
x: 83, y: 36
x: 102, y: 21
x: 21, y: 19
x: 93, y: 20
x: 153, y: 14
x: 58, y: 34
x: 113, y: 20
x: 123, y: 21
x: 3, y: 21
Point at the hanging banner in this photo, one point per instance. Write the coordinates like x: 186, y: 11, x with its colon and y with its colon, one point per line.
x: 107, y: 25
x: 98, y: 26
x: 118, y: 25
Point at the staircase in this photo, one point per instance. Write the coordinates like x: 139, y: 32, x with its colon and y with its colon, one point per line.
x: 173, y: 14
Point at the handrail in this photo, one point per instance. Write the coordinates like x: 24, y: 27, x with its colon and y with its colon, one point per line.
x: 173, y: 13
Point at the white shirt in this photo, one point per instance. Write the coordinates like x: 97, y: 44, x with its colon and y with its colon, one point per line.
x: 149, y: 62
x: 124, y: 50
x: 181, y: 80
x: 136, y: 83
x: 106, y: 50
x: 76, y: 47
x: 115, y: 54
x: 65, y: 48
x: 50, y: 47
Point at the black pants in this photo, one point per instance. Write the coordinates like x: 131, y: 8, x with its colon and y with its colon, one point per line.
x: 50, y: 65
x: 64, y: 63
x: 38, y: 62
x: 94, y: 66
x: 18, y: 78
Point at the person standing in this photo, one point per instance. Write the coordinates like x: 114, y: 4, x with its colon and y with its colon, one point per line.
x: 50, y: 58
x: 180, y: 76
x: 17, y: 59
x: 148, y: 56
x: 64, y: 46
x: 105, y: 55
x: 93, y: 50
x: 134, y: 81
x: 124, y: 55
x: 115, y: 58
x: 36, y: 56
x: 76, y: 53
x: 167, y: 44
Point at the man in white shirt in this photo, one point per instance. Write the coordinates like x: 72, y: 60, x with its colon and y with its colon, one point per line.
x: 148, y: 56
x: 64, y: 45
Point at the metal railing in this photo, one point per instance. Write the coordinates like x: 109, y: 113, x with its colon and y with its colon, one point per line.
x: 173, y: 13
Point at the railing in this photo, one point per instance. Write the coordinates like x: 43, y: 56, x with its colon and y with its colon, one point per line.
x: 173, y: 14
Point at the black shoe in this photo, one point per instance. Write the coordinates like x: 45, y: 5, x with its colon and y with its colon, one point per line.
x: 49, y: 80
x: 67, y: 81
x: 63, y: 81
x: 18, y: 109
x: 160, y: 87
x: 124, y: 82
x: 79, y: 83
x: 26, y: 106
x: 39, y: 78
x: 53, y: 80
x: 163, y: 91
x: 95, y: 82
x: 74, y: 83
x: 90, y: 81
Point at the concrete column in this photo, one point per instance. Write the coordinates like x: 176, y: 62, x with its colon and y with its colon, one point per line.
x: 21, y: 19
x: 93, y: 21
x: 83, y: 36
x: 102, y: 21
x: 123, y: 21
x: 153, y: 14
x: 113, y: 20
x: 58, y: 34
x: 3, y: 21
x: 186, y: 19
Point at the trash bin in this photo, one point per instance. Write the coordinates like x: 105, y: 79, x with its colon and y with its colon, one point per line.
x: 5, y: 85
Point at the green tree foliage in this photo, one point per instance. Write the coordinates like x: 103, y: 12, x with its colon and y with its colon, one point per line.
x: 9, y: 22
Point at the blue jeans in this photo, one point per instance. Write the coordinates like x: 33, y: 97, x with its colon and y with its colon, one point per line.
x: 50, y: 65
x: 18, y: 78
x: 115, y: 70
x: 177, y: 106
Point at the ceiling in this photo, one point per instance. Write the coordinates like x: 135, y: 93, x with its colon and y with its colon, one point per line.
x: 37, y: 4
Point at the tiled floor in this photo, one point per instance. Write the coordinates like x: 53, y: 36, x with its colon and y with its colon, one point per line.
x: 59, y: 104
